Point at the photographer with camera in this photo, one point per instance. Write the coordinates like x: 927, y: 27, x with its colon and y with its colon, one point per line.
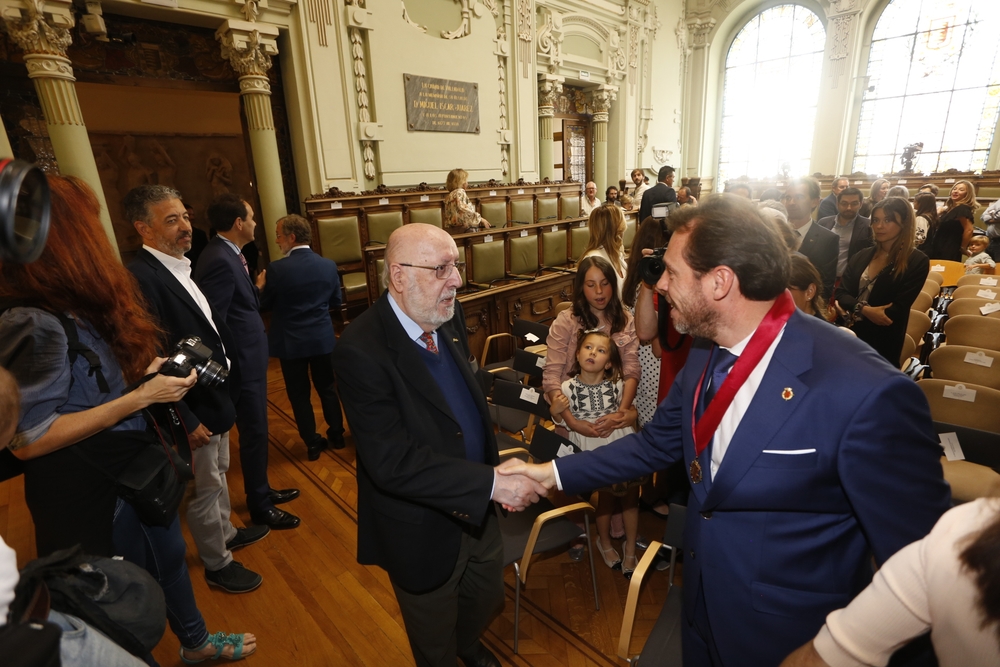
x: 181, y: 309
x: 73, y: 331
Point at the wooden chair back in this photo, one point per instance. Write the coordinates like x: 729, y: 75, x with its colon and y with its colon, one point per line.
x: 950, y: 271
x: 961, y: 363
x: 974, y: 331
x: 972, y: 306
x: 976, y: 292
x: 964, y: 404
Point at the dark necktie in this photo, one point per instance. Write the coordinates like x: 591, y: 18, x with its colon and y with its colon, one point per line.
x: 428, y: 341
x: 243, y: 260
x: 722, y: 362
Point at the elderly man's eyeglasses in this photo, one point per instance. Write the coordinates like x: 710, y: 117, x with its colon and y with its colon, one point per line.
x: 441, y: 271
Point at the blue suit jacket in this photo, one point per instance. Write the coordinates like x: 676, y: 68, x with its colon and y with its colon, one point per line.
x: 301, y: 289
x: 778, y: 541
x: 233, y: 295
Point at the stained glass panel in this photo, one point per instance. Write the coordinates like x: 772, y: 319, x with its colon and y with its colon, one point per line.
x: 780, y: 50
x: 934, y: 77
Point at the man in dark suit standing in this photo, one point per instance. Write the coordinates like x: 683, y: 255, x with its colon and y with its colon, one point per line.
x: 426, y: 452
x: 828, y: 206
x: 301, y: 290
x: 854, y: 232
x: 809, y: 456
x: 164, y: 275
x: 224, y: 278
x: 818, y: 244
x: 661, y: 193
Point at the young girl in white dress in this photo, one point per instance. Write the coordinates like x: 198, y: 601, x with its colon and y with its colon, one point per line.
x: 593, y: 392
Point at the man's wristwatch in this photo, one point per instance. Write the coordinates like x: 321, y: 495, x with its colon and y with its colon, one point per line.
x: 859, y: 307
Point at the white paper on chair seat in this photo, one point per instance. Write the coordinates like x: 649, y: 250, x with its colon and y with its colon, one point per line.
x: 952, y: 450
x: 989, y: 282
x: 938, y: 268
x: 530, y: 395
x: 960, y: 393
x: 986, y: 294
x: 979, y: 359
x: 990, y: 308
x: 540, y: 361
x: 531, y: 338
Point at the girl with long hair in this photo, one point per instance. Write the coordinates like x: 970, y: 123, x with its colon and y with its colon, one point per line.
x: 956, y: 225
x: 607, y: 234
x: 925, y: 208
x: 881, y: 283
x: 878, y: 192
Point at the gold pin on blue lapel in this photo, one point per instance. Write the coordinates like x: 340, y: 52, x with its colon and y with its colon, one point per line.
x: 787, y: 394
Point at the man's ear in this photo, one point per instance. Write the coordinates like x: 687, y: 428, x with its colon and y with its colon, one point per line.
x: 141, y: 228
x: 723, y: 281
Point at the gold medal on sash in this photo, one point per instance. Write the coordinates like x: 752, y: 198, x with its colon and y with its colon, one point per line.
x: 695, y: 472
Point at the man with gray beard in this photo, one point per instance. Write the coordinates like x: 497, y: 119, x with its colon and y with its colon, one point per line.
x: 426, y: 452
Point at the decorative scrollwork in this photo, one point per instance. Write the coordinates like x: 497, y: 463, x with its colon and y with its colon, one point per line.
x: 34, y: 34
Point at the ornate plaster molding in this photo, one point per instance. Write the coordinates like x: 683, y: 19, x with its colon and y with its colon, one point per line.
x: 525, y: 34
x: 699, y: 28
x: 576, y: 19
x: 549, y: 89
x: 40, y: 27
x: 837, y: 6
x: 841, y: 28
x: 469, y: 7
x: 249, y: 47
x: 550, y: 38
x: 318, y: 13
x: 683, y: 47
x: 361, y: 86
x: 600, y: 102
x: 409, y: 21
x: 502, y: 49
x: 616, y: 55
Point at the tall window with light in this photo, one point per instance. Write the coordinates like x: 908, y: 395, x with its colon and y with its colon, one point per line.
x: 770, y: 92
x: 933, y: 78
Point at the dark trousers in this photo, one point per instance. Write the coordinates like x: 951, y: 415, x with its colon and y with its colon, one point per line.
x: 251, y: 421
x: 296, y: 373
x: 447, y: 622
x: 697, y: 640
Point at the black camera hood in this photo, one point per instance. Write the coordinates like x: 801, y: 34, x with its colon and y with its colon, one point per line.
x: 25, y: 209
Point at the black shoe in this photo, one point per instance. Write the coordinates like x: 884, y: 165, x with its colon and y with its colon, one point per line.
x: 336, y: 440
x: 276, y: 519
x: 316, y: 448
x: 279, y: 496
x: 234, y: 578
x: 480, y: 657
x: 247, y: 536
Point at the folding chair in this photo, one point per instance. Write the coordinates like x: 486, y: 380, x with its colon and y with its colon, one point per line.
x: 976, y: 292
x: 955, y: 403
x: 524, y: 333
x: 663, y: 646
x: 974, y: 331
x: 973, y: 306
x: 961, y: 363
x: 906, y: 357
x: 977, y: 476
x: 979, y: 279
x: 931, y: 288
x: 950, y: 271
x: 936, y: 277
x: 923, y: 302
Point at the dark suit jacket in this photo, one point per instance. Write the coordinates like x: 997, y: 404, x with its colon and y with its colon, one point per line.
x: 901, y: 292
x: 861, y: 234
x: 301, y: 289
x: 180, y: 316
x: 416, y: 490
x: 233, y: 295
x: 658, y: 194
x: 777, y: 540
x: 827, y: 207
x: 822, y: 247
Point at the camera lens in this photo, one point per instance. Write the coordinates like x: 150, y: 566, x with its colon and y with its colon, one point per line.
x: 24, y: 211
x: 211, y: 373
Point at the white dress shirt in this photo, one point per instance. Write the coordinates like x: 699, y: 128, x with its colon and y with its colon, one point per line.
x: 181, y: 269
x: 804, y: 229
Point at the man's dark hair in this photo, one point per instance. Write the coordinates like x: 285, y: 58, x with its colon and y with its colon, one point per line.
x: 135, y: 205
x: 771, y: 194
x: 930, y: 186
x: 809, y: 182
x: 733, y: 187
x: 851, y: 192
x: 728, y: 230
x: 297, y: 226
x: 664, y: 173
x: 224, y: 210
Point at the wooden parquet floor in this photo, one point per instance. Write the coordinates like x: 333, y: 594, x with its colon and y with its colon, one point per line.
x: 318, y: 606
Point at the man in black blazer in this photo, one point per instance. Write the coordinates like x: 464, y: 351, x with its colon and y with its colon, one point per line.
x: 426, y: 452
x: 828, y: 206
x: 180, y: 308
x: 661, y: 193
x: 853, y: 231
x: 300, y: 291
x: 820, y: 245
x: 225, y: 279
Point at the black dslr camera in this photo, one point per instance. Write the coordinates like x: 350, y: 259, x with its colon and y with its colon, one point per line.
x: 192, y: 353
x: 651, y: 267
x: 24, y: 211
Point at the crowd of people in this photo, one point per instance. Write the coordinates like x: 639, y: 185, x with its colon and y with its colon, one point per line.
x: 726, y: 383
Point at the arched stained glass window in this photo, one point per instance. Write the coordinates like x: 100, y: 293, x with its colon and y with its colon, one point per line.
x: 770, y: 92
x: 934, y: 77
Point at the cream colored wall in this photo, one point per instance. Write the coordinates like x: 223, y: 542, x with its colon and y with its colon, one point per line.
x: 666, y: 94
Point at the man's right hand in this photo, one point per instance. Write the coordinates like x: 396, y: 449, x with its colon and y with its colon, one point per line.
x: 542, y: 473
x: 515, y: 492
x: 199, y: 437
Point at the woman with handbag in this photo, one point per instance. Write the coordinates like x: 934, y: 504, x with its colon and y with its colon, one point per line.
x: 73, y: 331
x: 881, y: 283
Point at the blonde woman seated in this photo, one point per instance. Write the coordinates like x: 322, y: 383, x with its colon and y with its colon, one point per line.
x: 459, y: 213
x: 607, y: 234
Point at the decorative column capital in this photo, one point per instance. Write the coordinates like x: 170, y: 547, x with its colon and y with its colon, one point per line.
x: 600, y: 102
x: 700, y: 27
x: 249, y: 47
x: 40, y: 28
x: 549, y: 89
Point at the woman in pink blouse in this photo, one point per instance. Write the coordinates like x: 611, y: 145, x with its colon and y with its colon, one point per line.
x: 459, y: 213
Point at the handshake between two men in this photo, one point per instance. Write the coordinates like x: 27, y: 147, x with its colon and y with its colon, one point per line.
x: 519, y: 484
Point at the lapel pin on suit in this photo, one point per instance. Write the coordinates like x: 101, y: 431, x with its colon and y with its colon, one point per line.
x: 787, y: 394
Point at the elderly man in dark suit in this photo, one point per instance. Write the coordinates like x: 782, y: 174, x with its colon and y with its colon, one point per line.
x: 661, y: 193
x: 854, y: 232
x: 426, y: 452
x: 224, y: 278
x: 164, y: 274
x: 809, y: 456
x: 828, y: 206
x: 820, y: 245
x: 300, y: 291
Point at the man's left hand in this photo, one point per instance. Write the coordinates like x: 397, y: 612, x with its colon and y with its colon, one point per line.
x: 261, y: 278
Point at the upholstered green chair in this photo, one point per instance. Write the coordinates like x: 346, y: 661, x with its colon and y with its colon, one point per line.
x: 629, y: 235
x: 554, y: 248
x: 340, y: 240
x: 522, y: 212
x: 579, y: 237
x: 381, y: 225
x: 495, y: 212
x: 524, y: 255
x: 428, y: 216
x: 488, y: 262
x: 548, y: 208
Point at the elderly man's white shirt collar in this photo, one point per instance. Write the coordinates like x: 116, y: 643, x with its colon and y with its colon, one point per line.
x: 412, y: 329
x: 298, y: 247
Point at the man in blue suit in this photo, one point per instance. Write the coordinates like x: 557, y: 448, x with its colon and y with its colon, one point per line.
x: 814, y: 455
x: 223, y: 276
x: 300, y: 290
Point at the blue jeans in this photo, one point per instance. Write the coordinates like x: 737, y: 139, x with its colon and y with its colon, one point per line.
x: 83, y: 646
x: 161, y: 552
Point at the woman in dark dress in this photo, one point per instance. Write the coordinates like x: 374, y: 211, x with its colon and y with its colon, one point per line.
x: 881, y: 283
x: 956, y: 225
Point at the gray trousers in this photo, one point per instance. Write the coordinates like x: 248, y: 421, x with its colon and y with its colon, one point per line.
x: 208, y: 508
